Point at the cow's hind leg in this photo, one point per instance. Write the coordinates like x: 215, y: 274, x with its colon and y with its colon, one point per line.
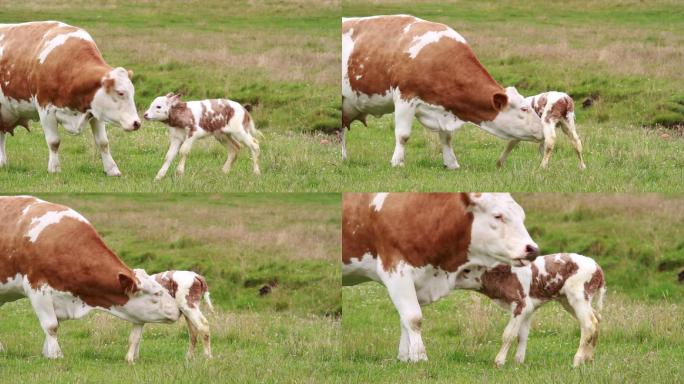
x: 569, y: 128
x: 403, y: 119
x: 504, y: 155
x: 134, y: 343
x: 3, y: 154
x: 402, y: 291
x: 45, y: 311
x: 102, y: 144
x: 49, y: 123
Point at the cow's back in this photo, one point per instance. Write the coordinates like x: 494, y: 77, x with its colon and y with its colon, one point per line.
x: 56, y: 63
x: 419, y: 229
x: 421, y: 59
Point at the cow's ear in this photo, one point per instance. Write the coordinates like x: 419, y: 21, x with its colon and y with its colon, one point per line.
x: 128, y: 284
x: 108, y: 83
x: 474, y: 200
x: 174, y: 99
x: 499, y: 101
x: 130, y: 74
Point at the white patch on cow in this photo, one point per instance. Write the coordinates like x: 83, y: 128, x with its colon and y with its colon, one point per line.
x: 420, y: 42
x: 347, y: 48
x: 58, y: 40
x: 12, y: 289
x: 378, y: 201
x: 432, y: 283
x: 360, y: 269
x: 38, y: 224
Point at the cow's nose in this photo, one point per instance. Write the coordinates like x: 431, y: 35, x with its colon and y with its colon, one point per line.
x: 145, y: 116
x: 531, y: 251
x: 136, y: 125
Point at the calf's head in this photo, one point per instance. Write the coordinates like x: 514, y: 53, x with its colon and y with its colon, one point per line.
x: 161, y: 106
x: 114, y: 100
x: 516, y: 116
x: 470, y: 277
x: 148, y: 301
x: 498, y: 231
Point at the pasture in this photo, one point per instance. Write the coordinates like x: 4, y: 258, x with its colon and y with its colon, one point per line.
x: 633, y: 237
x: 240, y: 243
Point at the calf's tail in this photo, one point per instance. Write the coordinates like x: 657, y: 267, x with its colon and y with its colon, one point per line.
x: 599, y: 302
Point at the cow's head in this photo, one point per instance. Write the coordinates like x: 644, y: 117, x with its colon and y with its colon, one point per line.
x: 516, y: 118
x: 498, y: 231
x: 113, y: 102
x: 160, y: 107
x: 469, y: 276
x: 148, y: 301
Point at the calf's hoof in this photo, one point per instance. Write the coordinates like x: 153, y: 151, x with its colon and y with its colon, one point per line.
x: 499, y: 363
x: 113, y: 172
x: 583, y: 166
x: 413, y: 357
x: 130, y: 359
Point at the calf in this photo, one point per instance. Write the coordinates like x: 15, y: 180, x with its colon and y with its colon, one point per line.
x: 571, y: 279
x: 229, y: 122
x: 187, y: 288
x: 554, y: 108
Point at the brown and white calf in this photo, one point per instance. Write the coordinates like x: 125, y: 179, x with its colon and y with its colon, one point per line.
x: 53, y: 256
x: 417, y: 68
x: 569, y: 278
x: 228, y: 121
x: 554, y: 109
x: 54, y: 73
x: 188, y: 288
x: 415, y: 243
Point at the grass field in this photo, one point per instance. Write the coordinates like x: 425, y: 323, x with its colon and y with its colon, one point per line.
x: 625, y: 55
x: 239, y: 243
x: 634, y: 238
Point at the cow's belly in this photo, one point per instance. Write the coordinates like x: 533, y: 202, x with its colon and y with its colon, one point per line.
x: 68, y: 306
x: 12, y: 289
x: 360, y: 270
x: 12, y: 110
x: 361, y: 104
x: 432, y: 283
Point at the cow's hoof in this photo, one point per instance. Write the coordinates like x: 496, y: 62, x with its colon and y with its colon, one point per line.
x: 452, y: 167
x: 499, y: 363
x: 130, y: 360
x: 54, y: 169
x: 113, y: 173
x: 582, y: 167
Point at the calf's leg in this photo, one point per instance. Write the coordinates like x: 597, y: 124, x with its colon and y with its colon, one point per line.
x: 588, y: 327
x: 523, y: 333
x: 571, y: 131
x: 504, y: 155
x: 177, y: 136
x: 185, y: 149
x: 134, y: 343
x: 200, y: 327
x: 253, y: 146
x: 232, y: 147
x: 192, y: 333
x: 549, y: 141
x: 403, y: 119
x: 448, y: 154
x: 102, y: 144
x: 510, y: 332
x: 343, y: 142
x: 3, y: 154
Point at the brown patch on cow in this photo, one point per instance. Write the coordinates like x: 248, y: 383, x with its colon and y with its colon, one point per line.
x: 417, y: 228
x: 69, y: 77
x: 446, y: 73
x: 594, y: 284
x: 416, y: 324
x: 69, y: 256
x: 548, y: 286
x: 217, y: 117
x: 539, y: 103
x: 499, y: 283
x: 166, y: 280
x: 680, y: 276
x: 197, y: 289
x: 180, y: 116
x: 560, y: 109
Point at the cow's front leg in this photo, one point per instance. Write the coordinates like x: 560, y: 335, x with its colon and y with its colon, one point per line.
x: 44, y: 308
x: 49, y: 123
x: 447, y: 152
x: 402, y: 291
x: 102, y: 144
x: 134, y: 343
x: 403, y: 119
x: 3, y: 154
x: 177, y: 136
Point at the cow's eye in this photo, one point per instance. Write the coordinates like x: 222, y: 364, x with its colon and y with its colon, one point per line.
x: 120, y: 93
x: 158, y: 106
x: 499, y: 217
x: 159, y: 293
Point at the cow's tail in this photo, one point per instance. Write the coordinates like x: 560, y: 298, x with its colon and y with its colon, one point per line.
x: 253, y: 131
x: 599, y: 301
x: 205, y: 293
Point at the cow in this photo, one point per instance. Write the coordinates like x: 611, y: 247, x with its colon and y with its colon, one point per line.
x: 415, y: 243
x: 54, y: 73
x: 53, y: 256
x: 571, y: 279
x: 228, y: 121
x: 554, y: 108
x: 417, y: 68
x: 188, y: 288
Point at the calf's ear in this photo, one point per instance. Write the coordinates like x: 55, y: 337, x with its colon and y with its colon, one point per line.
x: 128, y: 284
x: 499, y: 101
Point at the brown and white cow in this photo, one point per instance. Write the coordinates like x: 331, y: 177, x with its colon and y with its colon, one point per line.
x: 188, y: 288
x: 228, y: 121
x: 52, y: 255
x: 554, y: 108
x: 54, y: 73
x: 417, y: 68
x: 415, y: 243
x: 572, y: 279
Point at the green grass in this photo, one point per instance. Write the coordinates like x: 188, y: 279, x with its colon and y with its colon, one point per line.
x: 239, y: 242
x: 635, y: 238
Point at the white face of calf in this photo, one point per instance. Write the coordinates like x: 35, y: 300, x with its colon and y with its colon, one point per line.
x: 470, y: 277
x: 517, y: 119
x: 150, y: 303
x: 114, y: 101
x: 498, y: 231
x: 160, y: 107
